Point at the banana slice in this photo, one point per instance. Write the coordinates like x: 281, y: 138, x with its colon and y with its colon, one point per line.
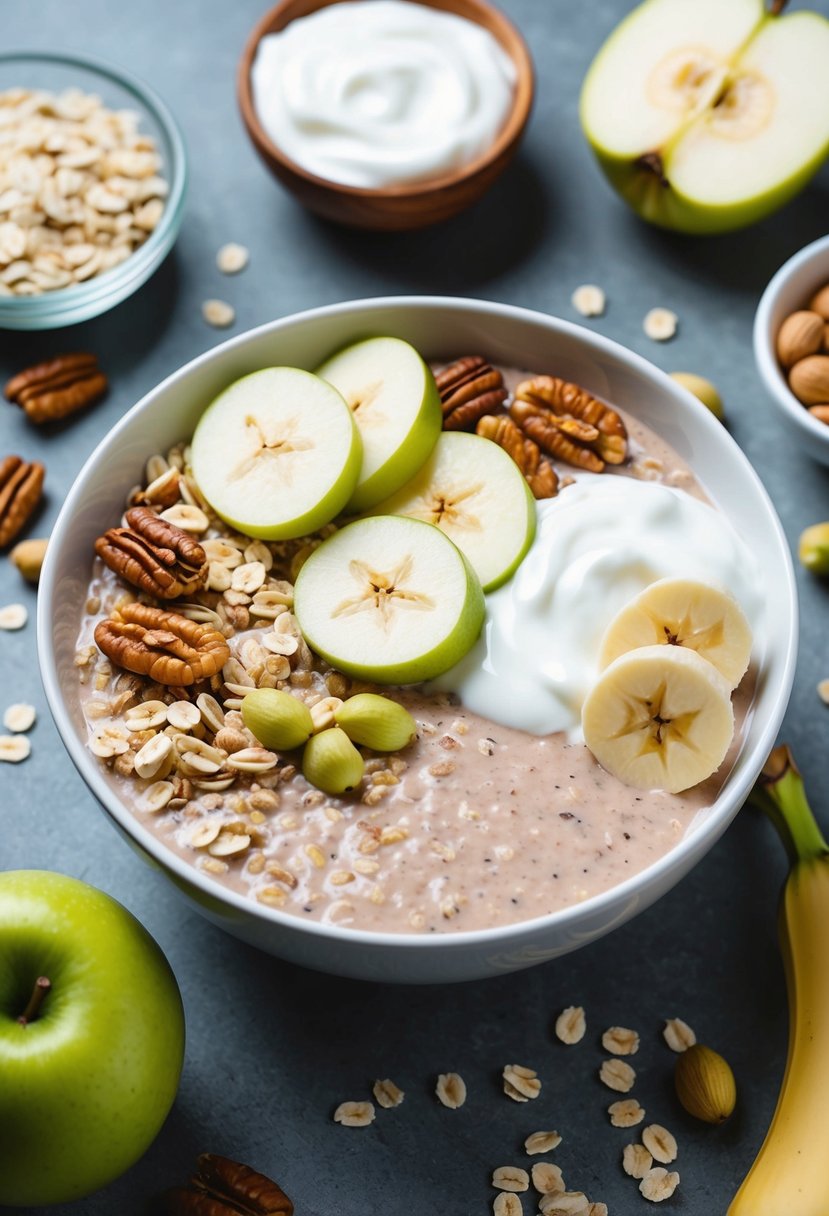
x: 683, y: 612
x: 659, y: 717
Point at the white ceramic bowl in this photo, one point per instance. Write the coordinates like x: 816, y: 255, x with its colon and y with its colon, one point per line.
x: 794, y: 284
x: 438, y: 327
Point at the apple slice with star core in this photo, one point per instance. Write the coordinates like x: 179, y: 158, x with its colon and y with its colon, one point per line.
x: 277, y: 454
x: 389, y: 599
x: 91, y: 1039
x: 395, y: 402
x: 475, y: 493
x: 707, y: 115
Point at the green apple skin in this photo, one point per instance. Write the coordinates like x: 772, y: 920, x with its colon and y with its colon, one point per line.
x: 658, y: 202
x: 410, y: 456
x: 532, y: 515
x: 86, y: 1085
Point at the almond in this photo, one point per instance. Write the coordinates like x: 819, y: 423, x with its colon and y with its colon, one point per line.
x: 819, y: 302
x: 809, y: 380
x: 821, y: 412
x: 801, y: 334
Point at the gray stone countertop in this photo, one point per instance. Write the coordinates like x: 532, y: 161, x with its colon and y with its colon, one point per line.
x: 271, y: 1048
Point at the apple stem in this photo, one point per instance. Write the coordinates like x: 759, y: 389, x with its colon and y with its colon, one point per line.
x: 777, y: 7
x: 653, y: 162
x: 41, y: 988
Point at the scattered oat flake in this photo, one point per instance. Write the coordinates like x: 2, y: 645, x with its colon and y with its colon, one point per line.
x: 451, y: 1089
x: 14, y: 748
x: 626, y: 1113
x: 566, y: 1203
x: 354, y: 1114
x: 19, y: 718
x: 636, y: 1160
x: 507, y: 1204
x: 678, y: 1035
x: 660, y: 324
x: 597, y: 1209
x: 13, y: 616
x: 658, y: 1184
x: 660, y: 1143
x: 386, y: 1092
x: 547, y: 1178
x: 823, y: 691
x: 618, y: 1075
x: 218, y: 313
x: 589, y: 300
x: 510, y: 1178
x: 571, y: 1025
x: 620, y: 1041
x: 542, y: 1142
x: 232, y: 258
x: 521, y: 1083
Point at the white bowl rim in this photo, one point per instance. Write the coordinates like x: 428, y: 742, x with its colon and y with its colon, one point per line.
x: 188, y: 874
x: 764, y: 349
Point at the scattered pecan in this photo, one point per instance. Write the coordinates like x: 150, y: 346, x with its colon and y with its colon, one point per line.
x: 469, y: 388
x: 224, y: 1188
x: 21, y: 485
x: 156, y: 556
x: 167, y: 647
x: 569, y: 404
x: 60, y: 386
x: 540, y: 474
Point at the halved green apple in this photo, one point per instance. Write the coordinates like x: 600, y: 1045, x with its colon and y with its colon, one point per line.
x: 277, y: 454
x: 395, y: 402
x: 475, y: 493
x: 707, y: 115
x: 389, y: 599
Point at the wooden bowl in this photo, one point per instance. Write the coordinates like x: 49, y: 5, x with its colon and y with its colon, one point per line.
x: 404, y: 206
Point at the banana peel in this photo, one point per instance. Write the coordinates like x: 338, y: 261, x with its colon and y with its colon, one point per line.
x: 790, y: 1176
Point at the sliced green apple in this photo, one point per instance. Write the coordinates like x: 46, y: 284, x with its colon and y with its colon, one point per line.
x: 389, y: 599
x: 707, y: 116
x: 395, y: 402
x: 472, y: 490
x: 277, y: 454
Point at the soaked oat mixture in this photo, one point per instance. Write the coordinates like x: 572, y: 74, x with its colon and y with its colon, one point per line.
x: 473, y: 825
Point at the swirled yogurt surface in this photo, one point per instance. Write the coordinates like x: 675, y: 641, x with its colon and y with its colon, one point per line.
x: 599, y: 544
x: 376, y: 93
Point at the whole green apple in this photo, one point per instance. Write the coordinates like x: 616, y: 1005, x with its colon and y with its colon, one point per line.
x: 707, y: 115
x: 91, y: 1038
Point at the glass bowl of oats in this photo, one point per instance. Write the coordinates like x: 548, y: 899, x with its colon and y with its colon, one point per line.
x: 93, y: 177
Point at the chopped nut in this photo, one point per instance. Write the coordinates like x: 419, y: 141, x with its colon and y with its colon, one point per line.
x: 520, y: 1083
x: 542, y: 1142
x: 19, y: 718
x: 218, y: 313
x: 451, y: 1090
x: 589, y: 300
x: 660, y: 1143
x: 626, y: 1113
x: 232, y: 258
x: 658, y: 1184
x: 660, y: 324
x: 618, y: 1075
x: 571, y: 1025
x: 510, y: 1178
x: 354, y: 1114
x: 14, y: 748
x: 507, y: 1204
x: 547, y: 1178
x: 678, y: 1035
x: 387, y: 1093
x: 620, y: 1042
x: 28, y: 556
x: 636, y: 1160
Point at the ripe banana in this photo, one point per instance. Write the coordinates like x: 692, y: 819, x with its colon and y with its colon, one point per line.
x: 683, y: 612
x: 659, y: 717
x: 790, y: 1176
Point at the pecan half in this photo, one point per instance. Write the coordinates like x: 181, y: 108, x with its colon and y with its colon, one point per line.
x: 469, y: 388
x: 546, y: 430
x: 167, y: 647
x: 569, y: 401
x: 540, y: 474
x: 156, y: 556
x: 58, y: 387
x: 21, y: 485
x: 222, y: 1187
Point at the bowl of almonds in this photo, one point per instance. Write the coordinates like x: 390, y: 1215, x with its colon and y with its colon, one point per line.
x: 791, y: 345
x: 93, y: 177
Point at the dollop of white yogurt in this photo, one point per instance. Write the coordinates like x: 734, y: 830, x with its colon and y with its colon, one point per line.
x: 598, y: 544
x: 377, y: 93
